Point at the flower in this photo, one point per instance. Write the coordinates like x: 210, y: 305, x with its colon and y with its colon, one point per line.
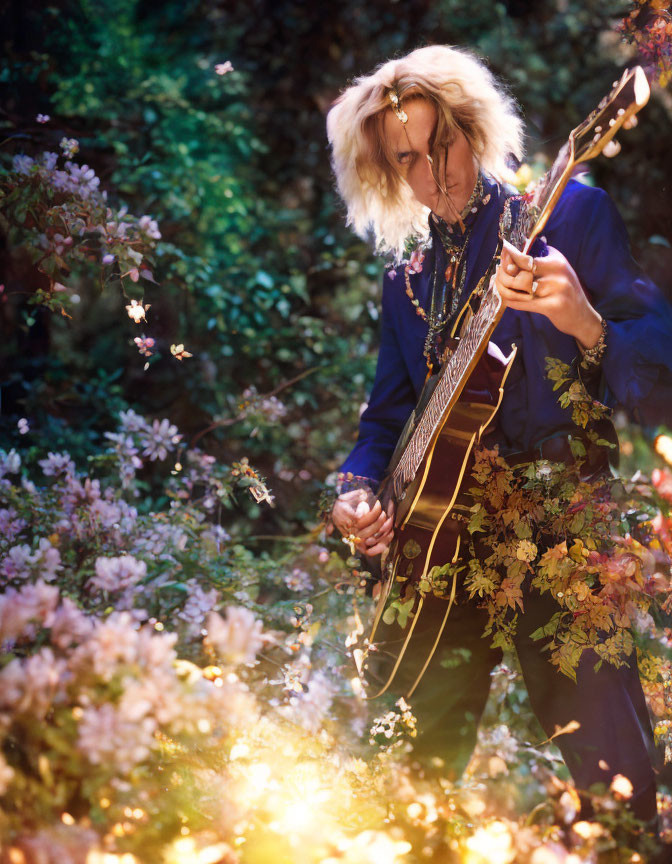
x: 136, y: 311
x: 198, y: 605
x: 69, y: 146
x: 43, y: 118
x: 23, y: 426
x: 22, y: 163
x: 415, y: 263
x: 298, y: 580
x: 160, y: 439
x: 145, y: 345
x: 237, y: 637
x: 107, y: 737
x: 117, y: 574
x: 178, y: 352
x: 10, y: 463
x: 223, y: 68
x: 57, y: 463
x: 150, y: 227
x: 621, y: 787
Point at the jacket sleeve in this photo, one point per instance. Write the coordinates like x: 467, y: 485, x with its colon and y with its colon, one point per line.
x: 391, y: 401
x: 637, y: 364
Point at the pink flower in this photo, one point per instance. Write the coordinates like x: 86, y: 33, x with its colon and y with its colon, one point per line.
x: 145, y: 345
x: 237, y: 637
x: 223, y: 68
x: 415, y: 263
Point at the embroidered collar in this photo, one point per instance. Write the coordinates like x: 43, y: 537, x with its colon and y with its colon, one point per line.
x: 450, y: 235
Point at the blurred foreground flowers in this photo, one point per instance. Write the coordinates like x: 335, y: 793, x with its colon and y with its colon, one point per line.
x: 167, y: 695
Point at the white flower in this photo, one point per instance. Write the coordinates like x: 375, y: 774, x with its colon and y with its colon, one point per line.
x: 23, y: 426
x: 43, y: 118
x: 48, y: 559
x: 117, y: 574
x: 198, y: 605
x: 136, y: 311
x: 10, y: 463
x: 298, y: 580
x: 29, y: 686
x: 107, y: 737
x: 57, y: 463
x: 22, y: 163
x: 16, y: 564
x: 19, y: 609
x: 150, y: 226
x: 69, y: 625
x: 621, y: 787
x: 160, y: 439
x: 237, y: 637
x: 129, y: 421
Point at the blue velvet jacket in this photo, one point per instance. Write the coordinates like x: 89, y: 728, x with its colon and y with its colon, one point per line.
x: 636, y: 368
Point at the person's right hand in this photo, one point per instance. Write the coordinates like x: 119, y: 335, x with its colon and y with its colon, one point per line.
x: 371, y: 525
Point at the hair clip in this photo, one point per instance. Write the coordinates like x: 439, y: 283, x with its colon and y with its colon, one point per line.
x: 396, y: 106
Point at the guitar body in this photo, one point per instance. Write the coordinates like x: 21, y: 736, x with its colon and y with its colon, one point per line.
x: 428, y: 512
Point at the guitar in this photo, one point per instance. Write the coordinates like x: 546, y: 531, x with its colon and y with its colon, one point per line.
x: 435, y: 450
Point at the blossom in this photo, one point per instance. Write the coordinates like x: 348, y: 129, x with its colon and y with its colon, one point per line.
x: 23, y: 426
x: 57, y: 463
x: 29, y: 686
x: 107, y: 737
x: 16, y: 564
x: 20, y: 608
x: 621, y: 787
x: 10, y: 463
x: 22, y: 163
x: 129, y: 421
x: 69, y: 146
x: 178, y: 352
x: 415, y: 262
x: 43, y: 118
x: 108, y: 258
x: 145, y: 345
x: 237, y: 637
x: 136, y: 311
x: 223, y: 68
x: 150, y: 227
x: 298, y: 580
x: 11, y: 525
x: 198, y: 604
x: 160, y: 439
x: 69, y: 625
x: 83, y: 179
x: 117, y: 574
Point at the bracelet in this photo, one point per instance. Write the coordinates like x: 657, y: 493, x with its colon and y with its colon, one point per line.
x: 593, y: 356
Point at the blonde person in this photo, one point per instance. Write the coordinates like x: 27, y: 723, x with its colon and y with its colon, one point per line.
x: 421, y: 148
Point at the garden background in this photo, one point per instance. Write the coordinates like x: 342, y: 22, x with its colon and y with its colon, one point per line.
x: 188, y: 335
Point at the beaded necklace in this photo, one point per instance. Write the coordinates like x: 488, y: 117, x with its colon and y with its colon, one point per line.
x: 446, y: 291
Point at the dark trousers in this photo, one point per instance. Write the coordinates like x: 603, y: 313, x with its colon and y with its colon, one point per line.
x: 608, y: 704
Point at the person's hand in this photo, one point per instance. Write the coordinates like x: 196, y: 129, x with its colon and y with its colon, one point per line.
x: 550, y: 287
x: 370, y: 527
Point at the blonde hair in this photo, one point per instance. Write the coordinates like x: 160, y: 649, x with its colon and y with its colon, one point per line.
x: 467, y: 97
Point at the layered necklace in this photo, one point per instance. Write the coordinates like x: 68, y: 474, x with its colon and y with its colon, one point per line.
x: 447, y: 287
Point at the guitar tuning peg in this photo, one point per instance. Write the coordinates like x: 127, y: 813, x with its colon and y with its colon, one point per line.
x: 612, y: 148
x: 631, y: 122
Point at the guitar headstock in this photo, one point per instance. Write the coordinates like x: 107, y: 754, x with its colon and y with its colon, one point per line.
x: 616, y: 110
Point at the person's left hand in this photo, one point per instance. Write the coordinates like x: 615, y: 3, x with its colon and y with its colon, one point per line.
x: 550, y: 287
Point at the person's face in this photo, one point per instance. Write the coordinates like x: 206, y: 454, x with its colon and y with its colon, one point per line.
x: 410, y: 146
